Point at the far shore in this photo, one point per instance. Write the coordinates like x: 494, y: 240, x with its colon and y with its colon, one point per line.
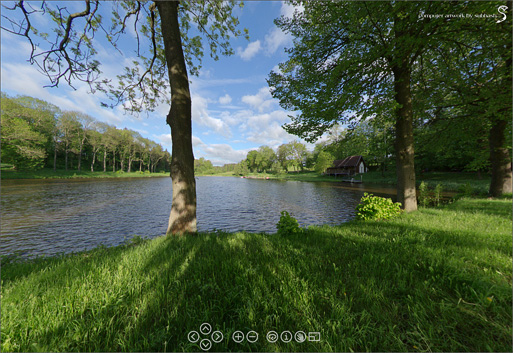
x: 48, y: 173
x: 450, y: 181
x: 463, y: 182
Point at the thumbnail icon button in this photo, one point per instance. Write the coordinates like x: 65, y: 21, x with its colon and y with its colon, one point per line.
x: 314, y: 336
x: 252, y: 336
x: 217, y: 336
x: 286, y: 336
x: 238, y: 336
x: 205, y: 344
x: 272, y: 336
x: 300, y: 337
x: 193, y: 336
x: 205, y: 328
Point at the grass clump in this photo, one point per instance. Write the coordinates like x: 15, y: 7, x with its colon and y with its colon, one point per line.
x: 376, y: 208
x: 438, y: 279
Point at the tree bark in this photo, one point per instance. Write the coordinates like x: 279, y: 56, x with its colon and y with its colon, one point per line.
x: 80, y: 155
x: 114, y: 160
x: 500, y: 160
x: 54, y: 153
x: 94, y: 158
x: 105, y: 160
x: 182, y: 218
x: 406, y: 193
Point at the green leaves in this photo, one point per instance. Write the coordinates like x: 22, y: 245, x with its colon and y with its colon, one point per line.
x: 287, y: 225
x: 376, y: 208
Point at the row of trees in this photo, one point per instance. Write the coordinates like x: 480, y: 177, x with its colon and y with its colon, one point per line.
x: 292, y: 155
x: 38, y: 134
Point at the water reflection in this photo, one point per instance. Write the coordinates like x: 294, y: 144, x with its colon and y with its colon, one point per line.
x: 54, y: 216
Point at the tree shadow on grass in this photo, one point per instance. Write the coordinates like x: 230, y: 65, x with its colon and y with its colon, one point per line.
x: 355, y: 285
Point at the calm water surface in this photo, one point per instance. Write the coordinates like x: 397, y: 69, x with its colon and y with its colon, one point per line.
x: 46, y: 217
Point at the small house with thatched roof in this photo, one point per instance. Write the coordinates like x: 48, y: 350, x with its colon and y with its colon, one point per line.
x: 349, y: 166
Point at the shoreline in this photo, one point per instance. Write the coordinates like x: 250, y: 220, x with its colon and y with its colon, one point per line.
x: 73, y: 174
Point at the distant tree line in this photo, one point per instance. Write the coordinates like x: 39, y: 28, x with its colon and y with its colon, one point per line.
x: 37, y: 134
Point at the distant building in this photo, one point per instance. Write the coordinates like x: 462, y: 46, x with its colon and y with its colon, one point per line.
x: 349, y: 166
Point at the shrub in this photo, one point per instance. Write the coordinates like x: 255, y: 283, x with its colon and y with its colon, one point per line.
x: 438, y: 194
x: 375, y: 207
x: 465, y: 190
x: 287, y: 225
x: 428, y: 197
x: 423, y: 196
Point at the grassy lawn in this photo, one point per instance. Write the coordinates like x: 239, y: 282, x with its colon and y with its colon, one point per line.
x: 439, y: 279
x: 48, y: 173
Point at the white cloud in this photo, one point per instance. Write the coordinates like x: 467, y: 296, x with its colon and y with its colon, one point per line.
x: 196, y: 141
x: 201, y: 116
x: 271, y: 135
x: 261, y: 101
x: 221, y: 154
x: 251, y: 50
x: 164, y: 140
x: 288, y: 10
x: 276, y: 38
x: 226, y: 99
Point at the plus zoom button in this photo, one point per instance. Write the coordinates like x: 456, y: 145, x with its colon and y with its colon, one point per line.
x: 238, y: 336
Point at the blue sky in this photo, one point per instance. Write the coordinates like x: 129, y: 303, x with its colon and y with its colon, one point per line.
x: 232, y: 109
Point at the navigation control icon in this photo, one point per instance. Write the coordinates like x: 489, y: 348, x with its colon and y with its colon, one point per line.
x: 217, y: 336
x: 205, y: 344
x: 300, y: 337
x: 272, y: 336
x: 252, y: 336
x: 238, y: 336
x: 286, y: 336
x: 314, y: 336
x: 205, y: 328
x: 193, y: 336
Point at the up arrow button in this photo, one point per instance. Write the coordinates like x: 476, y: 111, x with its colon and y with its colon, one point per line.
x: 205, y: 328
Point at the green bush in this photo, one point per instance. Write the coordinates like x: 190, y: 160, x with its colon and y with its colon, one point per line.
x: 426, y: 197
x: 465, y: 190
x: 287, y: 225
x: 375, y: 207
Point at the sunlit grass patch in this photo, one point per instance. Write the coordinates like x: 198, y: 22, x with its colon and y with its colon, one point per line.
x: 438, y: 279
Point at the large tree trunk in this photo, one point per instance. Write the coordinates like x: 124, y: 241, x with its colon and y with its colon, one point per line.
x: 183, y: 209
x: 500, y: 160
x: 406, y: 193
x: 114, y: 160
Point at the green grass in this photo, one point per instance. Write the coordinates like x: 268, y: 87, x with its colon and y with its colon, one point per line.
x: 439, y: 279
x: 48, y: 173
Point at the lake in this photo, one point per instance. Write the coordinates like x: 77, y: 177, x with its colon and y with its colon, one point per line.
x: 47, y: 217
